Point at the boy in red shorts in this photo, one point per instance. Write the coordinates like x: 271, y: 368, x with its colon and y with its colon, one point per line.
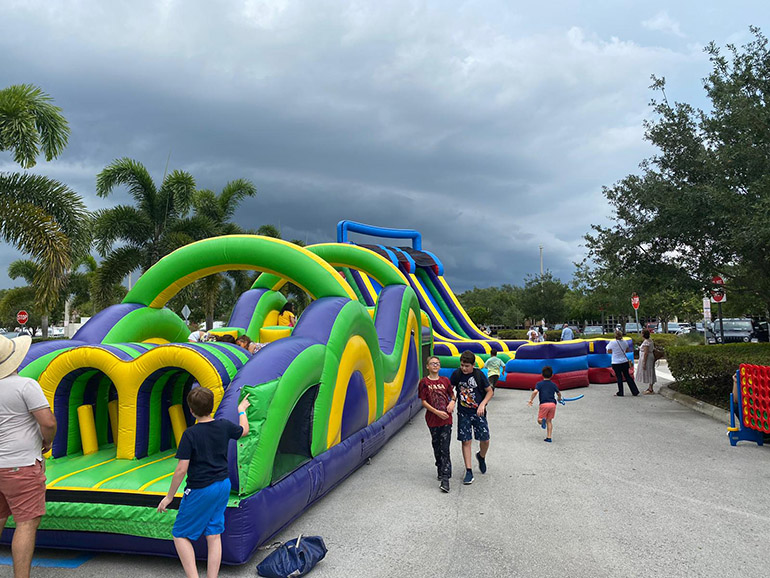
x: 548, y: 394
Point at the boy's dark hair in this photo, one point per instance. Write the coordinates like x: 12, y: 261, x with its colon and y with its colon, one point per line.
x: 226, y: 338
x: 493, y: 353
x: 468, y: 357
x: 547, y: 372
x: 201, y: 401
x: 288, y: 306
x: 243, y: 341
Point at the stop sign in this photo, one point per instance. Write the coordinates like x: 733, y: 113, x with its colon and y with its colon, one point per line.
x: 635, y: 301
x: 22, y: 317
x: 717, y: 293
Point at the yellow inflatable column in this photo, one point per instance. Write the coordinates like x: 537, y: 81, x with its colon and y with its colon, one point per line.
x: 87, y: 429
x: 178, y: 423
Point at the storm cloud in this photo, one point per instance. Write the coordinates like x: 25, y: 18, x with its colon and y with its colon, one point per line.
x: 490, y: 128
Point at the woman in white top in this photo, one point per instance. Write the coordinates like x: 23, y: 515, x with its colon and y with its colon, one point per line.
x: 618, y: 348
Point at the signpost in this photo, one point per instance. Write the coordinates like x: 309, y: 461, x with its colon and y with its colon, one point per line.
x: 22, y: 317
x: 635, y: 305
x: 719, y: 296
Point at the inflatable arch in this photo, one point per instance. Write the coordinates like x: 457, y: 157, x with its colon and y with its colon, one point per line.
x: 325, y: 396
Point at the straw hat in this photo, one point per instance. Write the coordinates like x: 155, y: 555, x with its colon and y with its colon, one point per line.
x: 12, y: 352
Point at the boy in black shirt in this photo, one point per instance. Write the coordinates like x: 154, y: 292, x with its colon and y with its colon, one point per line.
x: 202, y: 455
x: 548, y: 393
x: 473, y: 395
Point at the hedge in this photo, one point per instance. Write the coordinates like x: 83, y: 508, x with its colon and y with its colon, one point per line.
x: 706, y: 371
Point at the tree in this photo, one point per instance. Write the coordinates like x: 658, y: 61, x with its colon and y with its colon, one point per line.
x: 543, y: 297
x: 701, y: 205
x: 29, y: 123
x: 13, y: 301
x: 144, y: 233
x: 38, y: 215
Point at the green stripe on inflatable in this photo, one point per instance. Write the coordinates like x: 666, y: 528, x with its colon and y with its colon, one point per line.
x: 349, y: 256
x: 353, y: 319
x: 222, y: 357
x: 441, y: 303
x: 180, y: 268
x: 148, y: 323
x: 177, y: 397
x: 353, y: 284
x: 38, y: 366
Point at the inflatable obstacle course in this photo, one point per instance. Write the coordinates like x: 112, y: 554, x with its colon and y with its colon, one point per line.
x: 325, y: 394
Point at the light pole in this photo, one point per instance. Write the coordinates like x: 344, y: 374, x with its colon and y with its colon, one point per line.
x: 541, y: 260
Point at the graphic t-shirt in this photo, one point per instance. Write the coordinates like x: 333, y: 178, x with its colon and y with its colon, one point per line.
x: 548, y: 391
x: 494, y: 366
x: 471, y: 389
x: 438, y: 394
x: 205, y: 445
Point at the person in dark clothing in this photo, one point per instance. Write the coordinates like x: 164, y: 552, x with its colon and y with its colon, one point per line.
x: 548, y: 391
x: 473, y: 395
x: 438, y: 399
x: 618, y: 348
x: 202, y: 455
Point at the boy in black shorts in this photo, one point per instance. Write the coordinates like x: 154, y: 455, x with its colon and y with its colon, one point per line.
x: 473, y: 395
x: 202, y: 455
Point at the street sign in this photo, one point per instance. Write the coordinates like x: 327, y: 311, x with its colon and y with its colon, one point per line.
x: 718, y: 294
x: 22, y: 317
x: 635, y: 301
x: 186, y: 312
x: 706, y: 309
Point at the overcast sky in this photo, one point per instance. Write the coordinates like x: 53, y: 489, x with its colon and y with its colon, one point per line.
x: 489, y: 127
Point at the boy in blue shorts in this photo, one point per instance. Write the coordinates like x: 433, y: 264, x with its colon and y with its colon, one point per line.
x: 202, y: 455
x: 548, y: 393
x: 473, y: 395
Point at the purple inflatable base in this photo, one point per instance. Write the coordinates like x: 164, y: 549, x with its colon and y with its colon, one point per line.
x: 258, y: 517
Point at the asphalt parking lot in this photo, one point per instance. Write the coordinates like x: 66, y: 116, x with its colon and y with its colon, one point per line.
x: 630, y: 487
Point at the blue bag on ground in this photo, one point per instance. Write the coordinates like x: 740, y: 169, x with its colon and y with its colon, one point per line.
x: 294, y: 558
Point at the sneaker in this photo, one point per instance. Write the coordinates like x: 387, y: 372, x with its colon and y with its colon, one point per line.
x: 468, y: 479
x: 482, y: 463
x: 549, y: 440
x: 543, y: 424
x: 444, y: 486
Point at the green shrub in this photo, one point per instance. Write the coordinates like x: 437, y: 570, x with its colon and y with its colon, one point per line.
x: 512, y: 334
x: 705, y: 371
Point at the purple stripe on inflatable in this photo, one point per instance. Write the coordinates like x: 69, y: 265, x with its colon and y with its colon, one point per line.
x: 471, y: 331
x: 317, y: 320
x: 229, y: 351
x: 549, y: 350
x: 355, y: 412
x: 38, y: 350
x: 97, y: 328
x: 388, y: 314
x: 411, y: 376
x: 362, y: 287
x: 139, y: 347
x: 441, y: 349
x: 244, y: 308
x: 119, y: 353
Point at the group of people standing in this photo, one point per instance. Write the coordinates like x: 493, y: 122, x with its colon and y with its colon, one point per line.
x: 645, y: 369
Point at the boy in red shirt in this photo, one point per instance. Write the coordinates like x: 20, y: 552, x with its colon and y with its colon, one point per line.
x: 438, y: 399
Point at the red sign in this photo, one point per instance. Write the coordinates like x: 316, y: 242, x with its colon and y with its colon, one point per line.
x: 635, y: 301
x: 718, y: 293
x: 22, y: 317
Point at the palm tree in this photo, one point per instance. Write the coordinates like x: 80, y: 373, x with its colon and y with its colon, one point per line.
x: 218, y: 210
x: 154, y: 227
x: 29, y: 122
x: 39, y: 216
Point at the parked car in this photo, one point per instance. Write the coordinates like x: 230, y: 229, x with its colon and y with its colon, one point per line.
x: 633, y: 328
x: 673, y: 327
x: 590, y: 330
x: 651, y: 327
x: 739, y: 331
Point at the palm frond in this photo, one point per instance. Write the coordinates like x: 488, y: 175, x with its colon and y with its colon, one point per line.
x: 23, y: 268
x: 133, y: 175
x: 121, y: 223
x: 29, y: 121
x: 113, y: 269
x: 176, y: 194
x: 205, y: 203
x: 232, y: 195
x: 269, y: 231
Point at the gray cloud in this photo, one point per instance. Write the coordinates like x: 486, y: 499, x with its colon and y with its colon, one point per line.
x: 489, y: 128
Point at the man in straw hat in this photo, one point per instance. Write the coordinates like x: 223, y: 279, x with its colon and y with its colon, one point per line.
x: 27, y: 429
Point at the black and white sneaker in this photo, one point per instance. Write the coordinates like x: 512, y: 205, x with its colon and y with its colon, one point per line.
x: 444, y: 486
